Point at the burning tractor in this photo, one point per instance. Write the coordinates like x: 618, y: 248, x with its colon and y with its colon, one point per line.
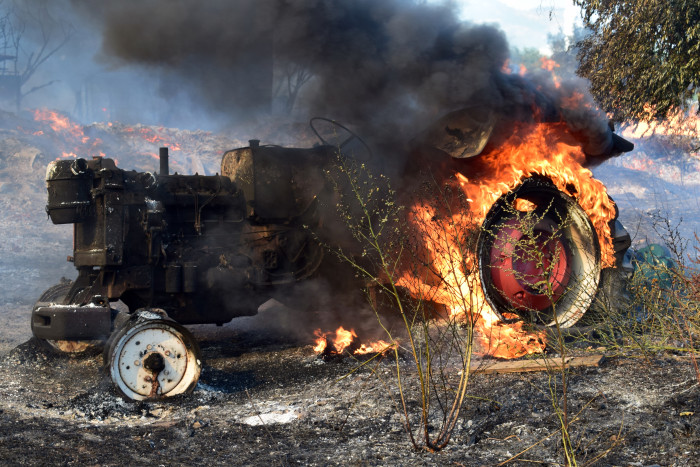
x: 196, y: 249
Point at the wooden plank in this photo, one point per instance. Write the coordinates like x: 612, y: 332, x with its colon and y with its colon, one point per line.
x: 540, y: 364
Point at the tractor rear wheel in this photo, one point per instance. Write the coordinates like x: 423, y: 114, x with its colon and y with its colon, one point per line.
x: 56, y: 294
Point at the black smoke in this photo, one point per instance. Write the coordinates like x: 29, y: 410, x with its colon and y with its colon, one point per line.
x: 388, y: 67
x: 391, y: 65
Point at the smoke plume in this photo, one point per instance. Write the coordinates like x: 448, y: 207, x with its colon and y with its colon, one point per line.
x: 390, y: 67
x: 390, y: 64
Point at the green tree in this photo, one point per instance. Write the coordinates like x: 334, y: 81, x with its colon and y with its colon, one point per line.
x: 642, y: 56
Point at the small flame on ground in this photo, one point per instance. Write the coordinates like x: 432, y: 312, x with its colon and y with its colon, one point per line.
x: 506, y: 340
x: 73, y: 134
x: 58, y: 122
x: 343, y: 339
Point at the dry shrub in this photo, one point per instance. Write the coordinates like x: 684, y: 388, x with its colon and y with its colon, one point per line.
x: 661, y: 306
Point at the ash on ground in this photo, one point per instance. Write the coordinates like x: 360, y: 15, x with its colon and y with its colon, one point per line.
x: 264, y: 400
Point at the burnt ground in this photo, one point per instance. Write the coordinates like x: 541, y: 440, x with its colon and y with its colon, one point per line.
x: 264, y: 398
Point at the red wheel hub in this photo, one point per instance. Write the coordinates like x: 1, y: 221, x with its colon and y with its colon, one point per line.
x: 530, y: 270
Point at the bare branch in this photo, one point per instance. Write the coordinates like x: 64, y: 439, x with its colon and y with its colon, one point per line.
x: 36, y: 88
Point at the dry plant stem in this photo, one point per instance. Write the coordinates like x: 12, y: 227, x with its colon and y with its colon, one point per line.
x: 373, y: 240
x: 693, y: 358
x: 528, y: 244
x: 563, y: 414
x: 566, y: 438
x: 385, y: 276
x: 451, y: 417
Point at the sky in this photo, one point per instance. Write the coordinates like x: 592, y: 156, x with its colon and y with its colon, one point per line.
x: 525, y: 22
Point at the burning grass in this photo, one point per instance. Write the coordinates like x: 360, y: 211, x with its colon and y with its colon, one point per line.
x: 134, y: 146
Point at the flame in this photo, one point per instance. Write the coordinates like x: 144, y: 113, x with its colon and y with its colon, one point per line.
x: 75, y: 143
x: 451, y: 279
x: 321, y: 341
x: 71, y: 134
x: 548, y: 64
x: 501, y: 340
x: 677, y: 124
x: 59, y: 123
x: 523, y: 205
x: 541, y: 152
x: 344, y: 339
x: 150, y: 135
x: 378, y: 346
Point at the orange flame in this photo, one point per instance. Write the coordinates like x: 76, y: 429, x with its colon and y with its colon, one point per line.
x: 58, y: 123
x: 677, y: 124
x: 78, y: 144
x: 542, y: 152
x: 502, y: 340
x: 321, y: 341
x: 345, y: 339
x: 523, y: 205
x: 73, y: 134
x: 548, y: 64
x: 537, y: 150
x: 378, y: 346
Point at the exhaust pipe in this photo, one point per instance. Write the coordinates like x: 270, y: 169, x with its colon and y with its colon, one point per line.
x: 164, y: 168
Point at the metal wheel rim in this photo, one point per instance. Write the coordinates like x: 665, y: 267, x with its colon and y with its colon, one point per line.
x: 136, y: 343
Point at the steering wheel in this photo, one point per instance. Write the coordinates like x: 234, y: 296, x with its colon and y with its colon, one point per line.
x: 346, y: 141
